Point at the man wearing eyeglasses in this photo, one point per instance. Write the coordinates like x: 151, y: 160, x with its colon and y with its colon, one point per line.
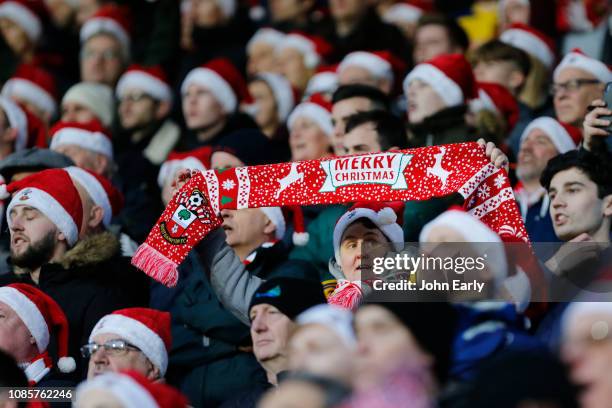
x: 135, y: 339
x: 577, y: 81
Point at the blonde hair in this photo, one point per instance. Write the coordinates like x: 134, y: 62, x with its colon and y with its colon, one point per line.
x: 491, y: 126
x: 535, y: 89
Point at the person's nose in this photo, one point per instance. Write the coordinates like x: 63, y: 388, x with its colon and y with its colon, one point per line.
x: 258, y: 325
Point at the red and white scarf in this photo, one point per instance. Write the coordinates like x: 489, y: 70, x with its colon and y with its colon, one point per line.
x: 404, y: 175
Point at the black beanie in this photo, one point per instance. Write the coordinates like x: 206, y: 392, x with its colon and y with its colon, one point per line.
x: 251, y: 146
x: 291, y: 296
x: 433, y: 324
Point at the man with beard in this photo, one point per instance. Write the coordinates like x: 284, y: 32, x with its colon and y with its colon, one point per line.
x: 44, y: 218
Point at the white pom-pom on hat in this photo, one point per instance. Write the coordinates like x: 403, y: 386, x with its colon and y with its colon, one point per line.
x: 66, y: 364
x: 387, y: 216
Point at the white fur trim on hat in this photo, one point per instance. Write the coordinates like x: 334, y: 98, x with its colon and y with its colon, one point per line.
x: 590, y: 65
x: 170, y: 167
x: 385, y: 222
x: 94, y: 189
x: 266, y: 35
x: 215, y: 83
x: 339, y: 320
x: 483, y: 102
x: 445, y: 87
x: 96, y: 97
x: 402, y: 13
x: 129, y: 392
x: 29, y: 315
x: 144, y: 82
x: 228, y: 7
x: 323, y: 82
x: 375, y: 65
x: 49, y: 206
x: 275, y: 215
x: 17, y: 120
x: 304, y: 46
x: 314, y: 112
x: 34, y: 94
x: 472, y: 230
x: 105, y: 25
x: 577, y: 310
x: 283, y: 94
x: 23, y: 17
x: 137, y: 334
x: 95, y: 141
x: 529, y: 43
x: 556, y: 133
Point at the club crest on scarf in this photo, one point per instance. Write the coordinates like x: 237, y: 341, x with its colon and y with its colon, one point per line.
x: 191, y: 206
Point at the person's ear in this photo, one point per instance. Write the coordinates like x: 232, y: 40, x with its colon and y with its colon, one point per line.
x: 163, y: 110
x: 153, y: 373
x: 607, y: 206
x: 96, y: 216
x: 385, y: 85
x: 269, y: 227
x: 516, y: 80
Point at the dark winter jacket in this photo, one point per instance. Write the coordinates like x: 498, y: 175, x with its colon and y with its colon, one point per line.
x: 444, y: 127
x: 91, y: 280
x: 237, y: 121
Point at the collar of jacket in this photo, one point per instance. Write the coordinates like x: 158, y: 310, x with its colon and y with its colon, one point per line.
x: 92, y: 250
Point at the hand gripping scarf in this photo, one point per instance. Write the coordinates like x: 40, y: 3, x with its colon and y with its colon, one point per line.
x: 404, y: 175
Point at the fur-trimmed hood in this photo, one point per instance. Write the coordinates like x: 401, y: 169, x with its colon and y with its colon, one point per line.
x: 92, y: 250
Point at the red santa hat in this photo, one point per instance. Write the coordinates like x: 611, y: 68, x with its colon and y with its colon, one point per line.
x: 388, y: 217
x: 150, y: 80
x: 403, y: 12
x: 266, y: 35
x: 109, y: 19
x: 313, y: 48
x: 147, y: 329
x: 197, y: 159
x: 472, y: 230
x: 101, y: 191
x: 325, y: 80
x: 34, y: 85
x: 279, y: 219
x: 221, y: 78
x: 498, y: 99
x: 18, y: 120
x: 563, y: 136
x: 532, y: 41
x: 91, y: 136
x: 577, y: 59
x: 317, y: 109
x: 284, y: 94
x: 583, y: 15
x: 449, y: 75
x: 43, y: 317
x: 377, y: 63
x: 52, y: 193
x: 579, y: 310
x: 133, y: 390
x: 26, y: 14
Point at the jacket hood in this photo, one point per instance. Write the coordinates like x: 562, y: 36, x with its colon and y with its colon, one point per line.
x: 92, y: 250
x: 335, y: 269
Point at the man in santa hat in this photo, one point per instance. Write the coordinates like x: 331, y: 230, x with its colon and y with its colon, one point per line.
x: 105, y: 45
x: 19, y: 129
x: 136, y: 339
x: 543, y: 139
x: 437, y: 94
x: 145, y: 102
x: 87, y: 280
x: 211, y: 95
x: 577, y: 81
x: 298, y: 55
x: 30, y: 319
